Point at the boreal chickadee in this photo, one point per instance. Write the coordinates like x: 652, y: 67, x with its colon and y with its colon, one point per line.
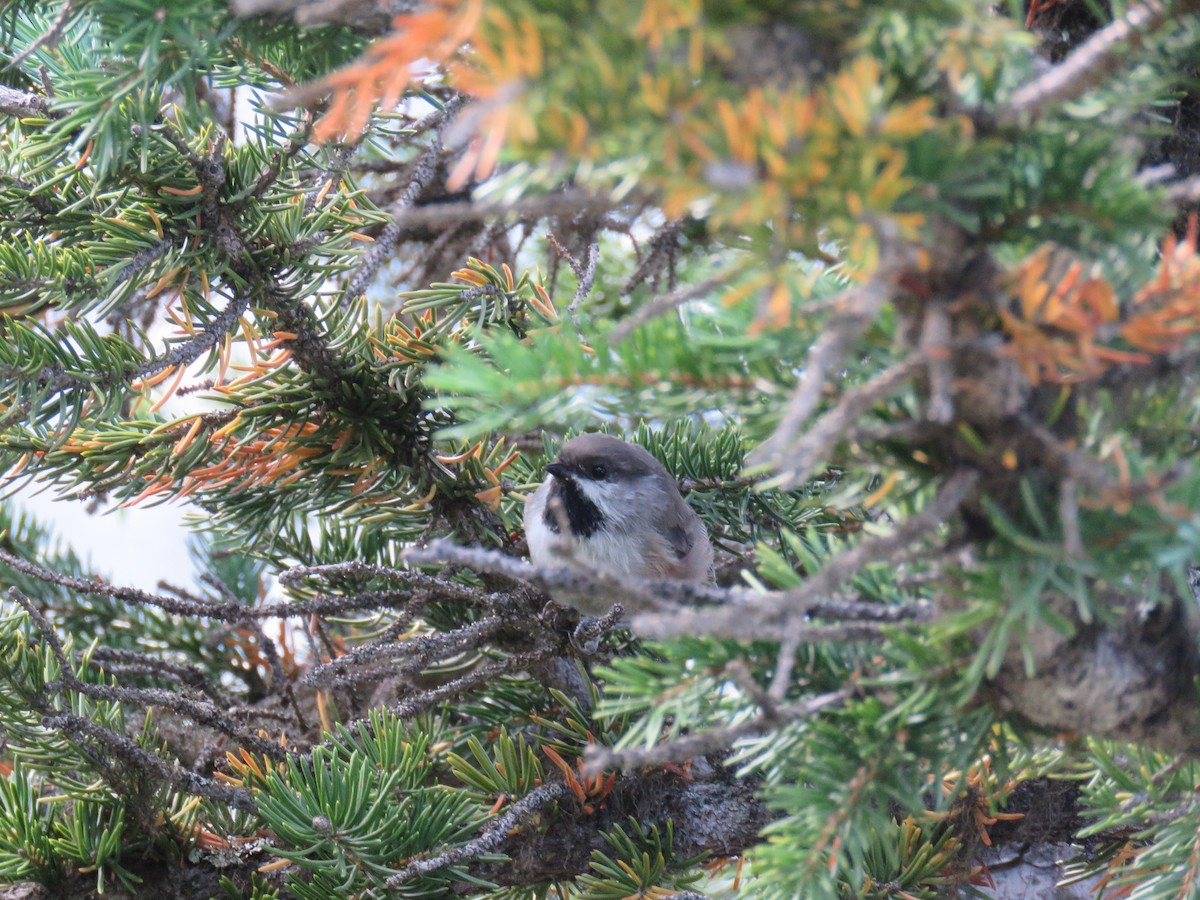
x: 624, y: 514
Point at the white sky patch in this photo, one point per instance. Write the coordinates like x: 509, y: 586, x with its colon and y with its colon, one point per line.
x: 129, y: 547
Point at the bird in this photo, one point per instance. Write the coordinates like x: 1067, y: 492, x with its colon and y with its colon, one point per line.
x: 623, y: 513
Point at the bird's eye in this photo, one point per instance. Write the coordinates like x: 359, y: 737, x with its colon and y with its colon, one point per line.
x: 599, y: 472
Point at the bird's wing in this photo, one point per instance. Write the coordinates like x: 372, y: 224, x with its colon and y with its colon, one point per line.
x: 679, y: 540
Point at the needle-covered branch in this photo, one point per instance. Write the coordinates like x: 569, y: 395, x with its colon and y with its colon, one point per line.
x: 600, y: 759
x: 490, y: 839
x: 1092, y: 61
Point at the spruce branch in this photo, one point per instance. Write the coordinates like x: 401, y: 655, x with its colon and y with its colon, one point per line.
x: 1047, y: 486
x: 487, y: 842
x: 52, y: 379
x: 46, y: 204
x: 208, y: 337
x: 236, y: 612
x: 49, y: 635
x: 142, y: 259
x: 602, y: 759
x: 201, y: 710
x: 1091, y: 62
x: 719, y: 817
x: 323, y: 179
x: 21, y: 105
x: 297, y: 141
x: 135, y: 757
x: 1084, y: 469
x: 75, y: 727
x: 311, y: 347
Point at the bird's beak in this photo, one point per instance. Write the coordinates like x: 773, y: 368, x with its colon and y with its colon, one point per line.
x: 558, y: 470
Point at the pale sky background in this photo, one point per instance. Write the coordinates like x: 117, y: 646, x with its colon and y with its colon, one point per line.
x: 134, y: 547
x: 131, y: 547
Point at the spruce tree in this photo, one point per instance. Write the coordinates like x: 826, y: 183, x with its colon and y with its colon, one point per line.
x: 907, y: 296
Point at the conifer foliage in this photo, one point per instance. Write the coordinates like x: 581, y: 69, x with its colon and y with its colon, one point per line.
x: 907, y: 295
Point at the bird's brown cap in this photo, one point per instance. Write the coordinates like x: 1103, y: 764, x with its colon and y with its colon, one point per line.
x: 583, y: 455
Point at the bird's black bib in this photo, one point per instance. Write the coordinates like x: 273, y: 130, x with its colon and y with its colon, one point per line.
x: 583, y: 518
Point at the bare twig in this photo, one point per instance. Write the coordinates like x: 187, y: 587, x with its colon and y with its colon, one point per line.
x: 408, y: 656
x: 570, y: 582
x: 442, y: 215
x: 49, y: 38
x: 587, y: 278
x: 884, y: 548
x: 785, y: 662
x: 123, y: 748
x: 592, y: 627
x: 760, y: 617
x: 1152, y: 175
x: 936, y: 337
x: 425, y: 699
x: 1068, y: 513
x: 201, y: 710
x: 855, y: 309
x: 423, y: 172
x: 661, y: 304
x: 1186, y: 191
x: 117, y: 661
x: 741, y: 612
x: 660, y: 249
x: 360, y: 571
x: 21, y: 105
x: 687, y: 484
x: 819, y: 440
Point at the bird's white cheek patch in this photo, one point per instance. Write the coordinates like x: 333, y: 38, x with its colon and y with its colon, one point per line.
x: 622, y: 505
x: 594, y: 491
